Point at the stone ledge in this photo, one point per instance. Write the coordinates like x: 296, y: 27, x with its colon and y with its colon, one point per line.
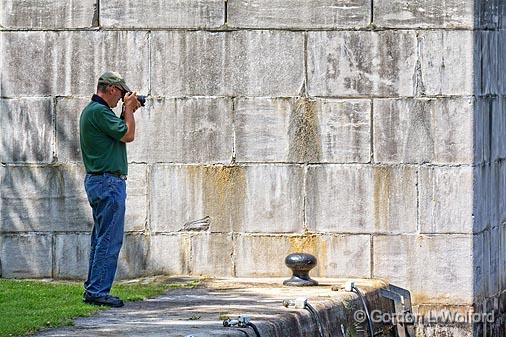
x: 201, y: 311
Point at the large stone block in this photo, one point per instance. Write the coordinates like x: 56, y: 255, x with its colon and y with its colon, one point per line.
x: 27, y: 130
x: 302, y: 130
x: 26, y: 256
x: 423, y: 130
x: 72, y: 253
x: 298, y: 14
x: 424, y: 14
x: 446, y: 63
x: 423, y: 263
x: 169, y: 254
x: 68, y: 110
x: 187, y: 130
x: 446, y: 199
x: 48, y: 14
x: 361, y: 199
x: 361, y: 63
x: 212, y: 255
x: 50, y: 198
x: 251, y: 63
x: 77, y: 59
x: 259, y: 198
x: 261, y: 256
x: 162, y: 14
x: 133, y: 257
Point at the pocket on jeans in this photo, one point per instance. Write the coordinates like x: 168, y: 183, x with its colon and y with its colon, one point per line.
x: 94, y: 188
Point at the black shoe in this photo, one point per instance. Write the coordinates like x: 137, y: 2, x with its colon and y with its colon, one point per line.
x: 107, y: 300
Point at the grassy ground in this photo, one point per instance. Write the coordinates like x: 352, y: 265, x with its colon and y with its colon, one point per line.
x: 28, y: 306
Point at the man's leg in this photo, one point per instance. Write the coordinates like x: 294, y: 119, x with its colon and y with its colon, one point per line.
x: 107, y: 197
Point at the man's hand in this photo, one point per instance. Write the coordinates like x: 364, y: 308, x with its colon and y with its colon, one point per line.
x: 130, y: 102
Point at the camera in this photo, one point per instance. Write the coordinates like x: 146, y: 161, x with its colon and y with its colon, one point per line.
x: 141, y: 99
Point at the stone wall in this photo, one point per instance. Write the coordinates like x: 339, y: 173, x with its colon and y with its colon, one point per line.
x: 369, y: 133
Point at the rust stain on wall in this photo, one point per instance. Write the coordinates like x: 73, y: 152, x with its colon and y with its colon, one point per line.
x: 224, y: 196
x: 311, y: 244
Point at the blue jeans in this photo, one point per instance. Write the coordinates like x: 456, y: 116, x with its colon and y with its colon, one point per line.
x: 106, y: 195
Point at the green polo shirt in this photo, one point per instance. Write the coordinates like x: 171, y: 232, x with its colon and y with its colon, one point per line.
x: 100, y: 131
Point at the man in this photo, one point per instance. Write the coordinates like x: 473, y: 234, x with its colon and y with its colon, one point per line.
x: 103, y: 138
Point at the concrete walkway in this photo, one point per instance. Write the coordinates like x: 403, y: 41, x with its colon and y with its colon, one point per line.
x: 201, y: 311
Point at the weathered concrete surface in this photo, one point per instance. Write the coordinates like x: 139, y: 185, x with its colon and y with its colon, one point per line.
x: 332, y: 135
x: 212, y: 254
x: 482, y: 129
x: 29, y: 136
x: 301, y: 130
x: 27, y: 255
x: 337, y: 255
x: 487, y: 44
x: 360, y: 63
x: 260, y: 198
x: 452, y: 329
x: 497, y: 122
x: 298, y: 14
x: 169, y: 254
x: 438, y: 131
x: 43, y: 198
x: 49, y: 14
x: 446, y: 200
x: 490, y: 14
x: 424, y: 14
x: 53, y: 199
x: 71, y: 254
x: 76, y: 59
x: 200, y: 312
x: 162, y: 14
x: 186, y: 130
x: 136, y: 214
x: 361, y: 199
x: 68, y: 110
x: 421, y: 261
x: 251, y: 63
x: 450, y: 73
x: 133, y: 257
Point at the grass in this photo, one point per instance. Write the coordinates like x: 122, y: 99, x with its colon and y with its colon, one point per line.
x: 29, y: 306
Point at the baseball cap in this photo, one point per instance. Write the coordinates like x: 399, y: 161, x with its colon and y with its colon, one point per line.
x: 113, y: 78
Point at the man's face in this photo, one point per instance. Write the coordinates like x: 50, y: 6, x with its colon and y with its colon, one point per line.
x: 116, y: 94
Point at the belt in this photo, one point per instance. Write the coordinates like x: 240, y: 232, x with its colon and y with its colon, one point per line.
x: 114, y: 174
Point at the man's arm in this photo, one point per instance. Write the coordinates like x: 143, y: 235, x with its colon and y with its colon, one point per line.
x: 131, y: 104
